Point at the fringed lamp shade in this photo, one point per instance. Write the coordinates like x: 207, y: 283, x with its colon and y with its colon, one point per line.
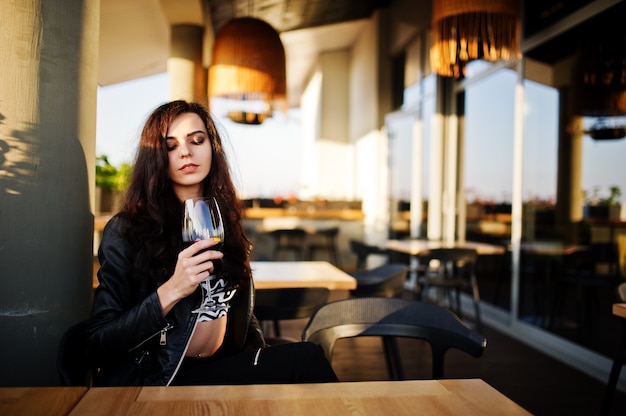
x: 465, y: 30
x: 248, y: 64
x: 599, y: 78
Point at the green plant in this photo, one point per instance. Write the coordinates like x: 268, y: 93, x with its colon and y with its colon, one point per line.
x: 614, y: 195
x: 594, y: 198
x: 111, y: 177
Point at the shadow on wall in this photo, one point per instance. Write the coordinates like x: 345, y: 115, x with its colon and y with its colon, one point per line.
x: 17, y: 171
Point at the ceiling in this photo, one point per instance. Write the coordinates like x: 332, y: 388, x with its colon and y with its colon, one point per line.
x: 134, y: 35
x: 286, y: 15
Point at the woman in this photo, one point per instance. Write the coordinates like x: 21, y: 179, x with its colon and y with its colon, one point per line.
x: 142, y: 330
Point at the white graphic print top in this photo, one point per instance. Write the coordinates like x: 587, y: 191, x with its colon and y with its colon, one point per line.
x: 216, y: 299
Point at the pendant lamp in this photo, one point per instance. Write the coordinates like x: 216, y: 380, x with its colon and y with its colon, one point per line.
x: 465, y: 30
x: 599, y: 77
x: 248, y: 66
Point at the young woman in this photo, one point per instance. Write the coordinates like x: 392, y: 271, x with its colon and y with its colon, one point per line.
x: 142, y: 330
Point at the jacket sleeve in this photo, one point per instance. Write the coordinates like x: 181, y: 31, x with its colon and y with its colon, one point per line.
x: 124, y: 313
x: 254, y: 338
x: 245, y: 328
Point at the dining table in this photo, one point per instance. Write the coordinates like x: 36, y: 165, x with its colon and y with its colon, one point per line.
x: 420, y: 247
x: 619, y: 310
x: 416, y: 247
x: 49, y: 401
x: 291, y: 274
x: 410, y: 397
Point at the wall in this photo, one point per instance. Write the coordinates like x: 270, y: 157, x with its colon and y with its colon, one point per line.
x: 47, y: 180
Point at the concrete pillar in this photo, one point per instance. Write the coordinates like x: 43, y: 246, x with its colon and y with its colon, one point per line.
x: 48, y: 93
x: 569, y: 195
x: 188, y: 77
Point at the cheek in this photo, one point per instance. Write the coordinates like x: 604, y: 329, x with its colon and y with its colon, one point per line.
x: 170, y: 164
x: 209, y: 158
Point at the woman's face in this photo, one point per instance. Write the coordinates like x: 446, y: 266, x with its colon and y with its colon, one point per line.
x: 189, y: 153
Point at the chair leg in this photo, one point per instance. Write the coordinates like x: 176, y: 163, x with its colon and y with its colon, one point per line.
x: 392, y: 358
x: 276, y: 329
x: 620, y: 357
x: 476, y: 294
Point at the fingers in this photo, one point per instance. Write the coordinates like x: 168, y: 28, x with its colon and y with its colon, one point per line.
x: 197, y: 261
x: 199, y: 246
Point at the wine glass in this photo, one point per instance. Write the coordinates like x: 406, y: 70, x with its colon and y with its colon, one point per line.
x: 202, y: 221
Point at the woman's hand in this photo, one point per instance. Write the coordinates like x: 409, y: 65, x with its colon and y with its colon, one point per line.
x: 194, y: 264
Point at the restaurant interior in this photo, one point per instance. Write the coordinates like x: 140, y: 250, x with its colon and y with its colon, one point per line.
x: 405, y: 136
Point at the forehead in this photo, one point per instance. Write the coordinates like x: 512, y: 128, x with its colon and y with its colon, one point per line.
x: 186, y: 123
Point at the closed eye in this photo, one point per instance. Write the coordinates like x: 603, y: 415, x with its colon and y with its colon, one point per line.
x: 195, y: 138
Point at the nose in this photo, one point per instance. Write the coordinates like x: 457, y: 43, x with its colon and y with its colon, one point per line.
x: 184, y: 149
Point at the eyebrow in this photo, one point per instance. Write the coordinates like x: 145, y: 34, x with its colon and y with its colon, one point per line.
x: 188, y: 134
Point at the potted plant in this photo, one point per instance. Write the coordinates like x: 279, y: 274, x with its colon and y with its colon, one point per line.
x: 110, y: 182
x: 600, y: 207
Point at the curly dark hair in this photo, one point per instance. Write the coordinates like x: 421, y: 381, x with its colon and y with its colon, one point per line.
x: 153, y: 213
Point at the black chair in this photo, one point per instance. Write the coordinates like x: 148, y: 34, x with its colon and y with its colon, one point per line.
x: 363, y: 251
x: 389, y: 318
x: 73, y: 364
x: 289, y: 241
x: 452, y: 270
x: 585, y: 271
x: 329, y: 245
x: 384, y: 281
x: 275, y: 305
x: 619, y: 360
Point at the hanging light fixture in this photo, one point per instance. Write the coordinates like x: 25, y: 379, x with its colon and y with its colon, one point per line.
x: 598, y: 82
x: 248, y: 68
x: 465, y: 30
x: 599, y: 78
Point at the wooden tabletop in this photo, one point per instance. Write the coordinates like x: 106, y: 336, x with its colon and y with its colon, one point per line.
x: 50, y: 401
x: 286, y: 274
x: 550, y: 248
x: 619, y: 309
x: 416, y: 247
x: 430, y: 397
x: 339, y: 214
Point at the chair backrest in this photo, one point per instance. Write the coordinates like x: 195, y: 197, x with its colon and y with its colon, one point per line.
x: 386, y: 280
x: 288, y: 303
x: 295, y: 233
x: 396, y: 318
x: 362, y: 252
x: 73, y: 364
x: 621, y: 292
x: 331, y: 232
x: 453, y: 259
x: 605, y: 255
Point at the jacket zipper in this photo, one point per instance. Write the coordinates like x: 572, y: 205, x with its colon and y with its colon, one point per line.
x: 162, y: 340
x: 180, y: 362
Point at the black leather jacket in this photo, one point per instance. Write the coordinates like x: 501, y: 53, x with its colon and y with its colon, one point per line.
x: 130, y: 340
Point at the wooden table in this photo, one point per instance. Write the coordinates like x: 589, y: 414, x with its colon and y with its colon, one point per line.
x: 286, y: 274
x: 429, y: 397
x: 550, y: 249
x: 419, y: 247
x: 50, y: 401
x: 619, y: 309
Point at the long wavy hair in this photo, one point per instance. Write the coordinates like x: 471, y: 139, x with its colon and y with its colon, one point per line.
x: 153, y: 213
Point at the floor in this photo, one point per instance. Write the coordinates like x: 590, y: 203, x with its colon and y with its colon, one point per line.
x: 535, y: 381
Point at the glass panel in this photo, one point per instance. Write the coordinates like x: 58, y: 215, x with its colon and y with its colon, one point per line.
x: 488, y: 156
x: 539, y: 198
x: 572, y: 223
x: 400, y: 128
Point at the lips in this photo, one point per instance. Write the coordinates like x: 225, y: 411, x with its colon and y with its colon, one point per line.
x: 189, y: 168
